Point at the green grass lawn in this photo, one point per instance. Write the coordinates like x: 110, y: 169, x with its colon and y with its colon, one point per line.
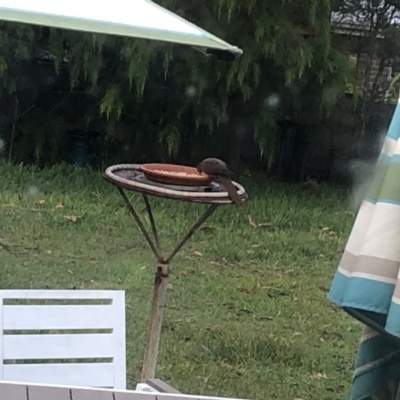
x: 247, y: 314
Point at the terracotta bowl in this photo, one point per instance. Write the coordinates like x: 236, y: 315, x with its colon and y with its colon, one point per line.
x: 173, y: 174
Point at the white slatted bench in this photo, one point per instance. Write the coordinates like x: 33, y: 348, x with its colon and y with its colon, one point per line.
x: 24, y: 391
x: 63, y: 337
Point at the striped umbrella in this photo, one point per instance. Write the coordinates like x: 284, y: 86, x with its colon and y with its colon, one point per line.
x: 367, y: 282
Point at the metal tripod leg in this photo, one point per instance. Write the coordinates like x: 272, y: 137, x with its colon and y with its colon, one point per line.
x: 160, y: 282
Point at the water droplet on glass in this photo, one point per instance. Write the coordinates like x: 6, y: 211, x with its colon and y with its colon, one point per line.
x: 191, y: 91
x: 330, y: 95
x: 32, y: 191
x: 224, y: 119
x: 240, y: 130
x: 272, y: 101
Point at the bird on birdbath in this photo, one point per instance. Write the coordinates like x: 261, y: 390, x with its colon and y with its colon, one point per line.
x: 219, y: 171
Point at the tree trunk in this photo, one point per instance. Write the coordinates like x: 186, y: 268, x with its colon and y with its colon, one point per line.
x: 13, y: 129
x: 234, y: 137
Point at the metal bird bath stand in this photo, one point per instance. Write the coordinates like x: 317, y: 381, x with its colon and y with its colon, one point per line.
x: 129, y: 177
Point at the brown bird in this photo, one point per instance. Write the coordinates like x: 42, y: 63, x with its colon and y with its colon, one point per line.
x: 218, y: 170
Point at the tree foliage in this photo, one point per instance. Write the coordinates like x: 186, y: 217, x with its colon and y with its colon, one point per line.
x: 158, y: 100
x: 377, y: 22
x: 376, y: 25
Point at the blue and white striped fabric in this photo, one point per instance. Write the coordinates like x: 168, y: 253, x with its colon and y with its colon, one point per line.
x: 367, y: 282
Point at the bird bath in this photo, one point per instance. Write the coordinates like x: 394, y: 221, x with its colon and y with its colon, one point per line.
x: 130, y: 177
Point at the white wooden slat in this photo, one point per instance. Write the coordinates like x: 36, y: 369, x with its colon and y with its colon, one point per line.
x: 95, y: 375
x: 77, y: 394
x: 8, y: 391
x: 135, y: 396
x: 43, y: 392
x: 22, y: 317
x: 119, y: 341
x: 174, y: 396
x: 1, y: 339
x: 167, y: 396
x: 28, y: 347
x: 118, y: 394
x: 59, y: 294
